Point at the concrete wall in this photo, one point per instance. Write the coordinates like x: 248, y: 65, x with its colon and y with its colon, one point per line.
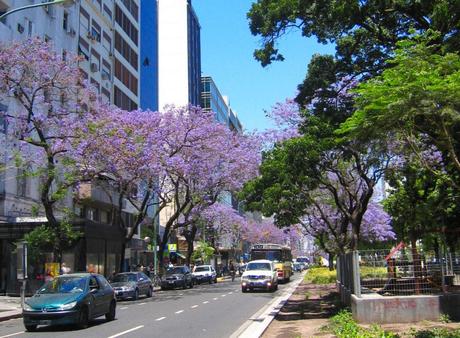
x: 387, y: 310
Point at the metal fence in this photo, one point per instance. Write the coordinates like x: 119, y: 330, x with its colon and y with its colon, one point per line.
x: 398, y: 272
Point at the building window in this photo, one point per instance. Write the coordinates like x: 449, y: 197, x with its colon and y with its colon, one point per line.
x: 106, y: 70
x: 96, y: 85
x: 65, y: 21
x: 123, y: 101
x: 125, y: 76
x: 107, y: 42
x: 96, y: 31
x: 132, y: 8
x: 124, y: 22
x: 107, y: 12
x: 125, y: 49
x: 21, y: 182
x: 84, y: 21
x: 20, y: 28
x: 83, y: 49
x: 30, y: 26
x: 95, y: 61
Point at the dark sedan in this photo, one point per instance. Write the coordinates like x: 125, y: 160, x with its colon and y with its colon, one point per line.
x: 70, y: 299
x: 178, y: 276
x: 131, y: 285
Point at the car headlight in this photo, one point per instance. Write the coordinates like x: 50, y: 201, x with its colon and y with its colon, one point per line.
x: 68, y: 306
x: 244, y: 279
x: 27, y: 307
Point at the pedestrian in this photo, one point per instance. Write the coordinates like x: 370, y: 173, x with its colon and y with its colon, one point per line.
x: 64, y: 269
x: 231, y: 268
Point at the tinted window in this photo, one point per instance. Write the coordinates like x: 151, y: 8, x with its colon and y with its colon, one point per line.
x: 175, y: 270
x: 65, y: 285
x: 103, y: 282
x: 120, y: 278
x: 201, y: 268
x: 258, y: 266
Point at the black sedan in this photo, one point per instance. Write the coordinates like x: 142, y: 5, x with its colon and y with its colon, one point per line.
x: 177, y: 276
x: 131, y: 285
x: 70, y: 299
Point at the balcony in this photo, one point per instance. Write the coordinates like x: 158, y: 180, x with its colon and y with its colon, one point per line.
x: 99, y: 194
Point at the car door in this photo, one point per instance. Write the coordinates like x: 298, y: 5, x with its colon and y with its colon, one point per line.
x: 107, y: 294
x: 187, y: 275
x: 143, y: 281
x: 97, y: 296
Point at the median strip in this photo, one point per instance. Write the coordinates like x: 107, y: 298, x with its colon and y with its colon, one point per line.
x: 127, y: 331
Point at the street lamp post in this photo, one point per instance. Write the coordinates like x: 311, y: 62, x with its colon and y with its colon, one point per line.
x: 66, y: 3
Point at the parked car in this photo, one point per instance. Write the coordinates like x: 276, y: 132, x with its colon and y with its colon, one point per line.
x: 297, y: 267
x: 131, y: 285
x: 177, y: 276
x: 204, y: 273
x: 70, y: 299
x: 259, y: 274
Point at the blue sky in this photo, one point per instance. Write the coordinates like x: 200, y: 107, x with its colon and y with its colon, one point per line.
x: 227, y: 47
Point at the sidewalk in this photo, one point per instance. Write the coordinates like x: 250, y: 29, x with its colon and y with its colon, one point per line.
x: 10, y: 307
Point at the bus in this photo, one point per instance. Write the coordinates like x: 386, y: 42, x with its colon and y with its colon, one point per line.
x: 279, y: 254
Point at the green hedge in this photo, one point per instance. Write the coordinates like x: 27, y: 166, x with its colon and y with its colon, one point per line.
x: 320, y: 276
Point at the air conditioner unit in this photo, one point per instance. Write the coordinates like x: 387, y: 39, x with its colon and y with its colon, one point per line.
x: 93, y: 67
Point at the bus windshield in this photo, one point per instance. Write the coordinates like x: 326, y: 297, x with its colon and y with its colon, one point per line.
x: 271, y: 255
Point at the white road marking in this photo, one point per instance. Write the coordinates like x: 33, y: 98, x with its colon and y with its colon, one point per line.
x: 181, y: 294
x: 194, y: 306
x: 180, y: 311
x: 206, y: 302
x: 13, y: 334
x: 216, y: 298
x: 141, y: 303
x: 230, y: 293
x: 161, y: 318
x: 127, y: 331
x: 123, y: 308
x: 223, y: 295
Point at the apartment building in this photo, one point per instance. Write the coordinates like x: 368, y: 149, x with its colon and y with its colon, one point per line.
x: 106, y: 33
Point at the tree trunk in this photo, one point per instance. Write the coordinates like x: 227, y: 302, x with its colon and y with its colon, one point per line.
x: 190, y: 237
x: 122, y: 258
x: 331, y: 261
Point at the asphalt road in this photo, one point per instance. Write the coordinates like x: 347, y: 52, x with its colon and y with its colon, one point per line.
x: 215, y: 310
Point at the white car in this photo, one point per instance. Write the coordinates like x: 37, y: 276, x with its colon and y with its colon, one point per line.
x: 204, y: 273
x: 259, y: 274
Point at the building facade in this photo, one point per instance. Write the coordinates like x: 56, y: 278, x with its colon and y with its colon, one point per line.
x: 179, y: 54
x: 106, y: 33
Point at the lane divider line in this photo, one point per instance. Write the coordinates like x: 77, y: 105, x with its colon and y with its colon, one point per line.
x: 127, y: 331
x: 194, y: 306
x: 177, y: 312
x: 206, y: 302
x: 123, y: 308
x: 216, y: 298
x: 161, y: 318
x: 223, y: 295
x: 13, y: 334
x: 141, y: 303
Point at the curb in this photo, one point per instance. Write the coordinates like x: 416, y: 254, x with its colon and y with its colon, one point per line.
x: 256, y: 325
x: 7, y: 315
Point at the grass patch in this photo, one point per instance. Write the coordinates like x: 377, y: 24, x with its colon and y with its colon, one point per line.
x: 373, y: 272
x: 320, y: 275
x: 344, y: 326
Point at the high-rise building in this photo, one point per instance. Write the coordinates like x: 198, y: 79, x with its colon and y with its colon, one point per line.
x: 106, y: 33
x: 149, y: 56
x: 179, y: 56
x: 213, y: 100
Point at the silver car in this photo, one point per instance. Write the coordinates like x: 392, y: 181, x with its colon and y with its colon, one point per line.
x: 131, y: 285
x: 204, y: 274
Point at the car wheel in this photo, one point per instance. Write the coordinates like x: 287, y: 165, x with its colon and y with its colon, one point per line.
x: 30, y: 327
x: 150, y: 292
x: 191, y: 284
x: 83, y: 320
x: 109, y: 316
x: 244, y: 290
x: 136, y: 294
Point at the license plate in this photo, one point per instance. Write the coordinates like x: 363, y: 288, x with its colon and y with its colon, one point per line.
x: 44, y: 322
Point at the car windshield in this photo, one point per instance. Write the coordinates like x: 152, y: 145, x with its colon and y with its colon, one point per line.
x: 201, y: 268
x: 124, y: 278
x: 175, y: 270
x: 258, y: 266
x: 64, y: 285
